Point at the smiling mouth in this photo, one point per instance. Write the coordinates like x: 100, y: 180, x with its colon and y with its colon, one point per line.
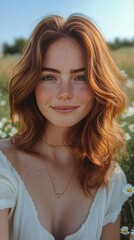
x: 65, y: 109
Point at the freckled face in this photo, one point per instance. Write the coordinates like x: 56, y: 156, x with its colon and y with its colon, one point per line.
x: 62, y: 94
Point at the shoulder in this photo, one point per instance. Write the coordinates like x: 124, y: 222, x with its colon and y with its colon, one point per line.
x: 15, y: 158
x: 116, y: 175
x: 116, y: 183
x: 9, y: 184
x: 6, y: 145
x: 9, y: 150
x: 114, y: 197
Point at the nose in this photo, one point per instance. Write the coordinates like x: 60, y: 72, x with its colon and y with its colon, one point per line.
x: 65, y: 91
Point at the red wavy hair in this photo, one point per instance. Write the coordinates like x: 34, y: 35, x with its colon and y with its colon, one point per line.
x: 98, y: 137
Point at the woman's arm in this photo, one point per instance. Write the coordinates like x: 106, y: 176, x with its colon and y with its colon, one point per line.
x: 4, y: 233
x: 111, y: 231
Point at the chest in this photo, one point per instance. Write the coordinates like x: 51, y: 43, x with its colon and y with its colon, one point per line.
x: 59, y: 216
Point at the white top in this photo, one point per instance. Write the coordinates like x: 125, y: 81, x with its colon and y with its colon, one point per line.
x: 23, y: 218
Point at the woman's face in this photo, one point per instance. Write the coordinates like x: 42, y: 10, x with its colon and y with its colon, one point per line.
x: 62, y: 94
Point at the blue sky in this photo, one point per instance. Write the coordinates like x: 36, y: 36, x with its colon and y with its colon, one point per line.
x: 115, y: 18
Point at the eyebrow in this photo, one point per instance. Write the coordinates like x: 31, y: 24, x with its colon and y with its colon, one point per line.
x: 57, y: 71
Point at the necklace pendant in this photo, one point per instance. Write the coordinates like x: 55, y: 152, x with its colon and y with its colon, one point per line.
x: 58, y: 195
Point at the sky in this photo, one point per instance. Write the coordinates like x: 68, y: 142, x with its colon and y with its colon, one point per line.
x: 114, y: 18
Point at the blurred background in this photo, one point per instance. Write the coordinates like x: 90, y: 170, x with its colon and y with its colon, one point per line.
x: 115, y: 20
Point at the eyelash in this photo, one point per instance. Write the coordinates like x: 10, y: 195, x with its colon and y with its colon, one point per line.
x: 83, y: 78
x: 51, y: 78
x: 47, y: 78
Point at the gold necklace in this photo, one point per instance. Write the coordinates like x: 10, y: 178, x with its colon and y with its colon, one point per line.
x: 54, y: 146
x: 58, y: 194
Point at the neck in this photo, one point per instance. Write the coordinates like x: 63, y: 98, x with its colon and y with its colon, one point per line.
x: 62, y: 155
x: 53, y: 145
x: 54, y: 135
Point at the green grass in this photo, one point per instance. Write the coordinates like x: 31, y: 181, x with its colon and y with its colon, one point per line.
x: 6, y: 69
x: 4, y: 106
x: 124, y: 58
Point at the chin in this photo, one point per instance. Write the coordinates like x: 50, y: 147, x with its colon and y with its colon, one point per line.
x: 63, y: 124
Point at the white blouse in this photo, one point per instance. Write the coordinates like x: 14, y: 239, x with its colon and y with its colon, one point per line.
x: 23, y: 218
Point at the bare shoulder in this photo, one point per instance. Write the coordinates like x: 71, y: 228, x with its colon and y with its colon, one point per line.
x: 4, y: 233
x: 6, y: 146
x: 8, y: 149
x: 18, y: 158
x: 111, y: 230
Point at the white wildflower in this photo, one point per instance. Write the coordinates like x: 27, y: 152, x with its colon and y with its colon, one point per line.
x: 13, y: 131
x: 2, y: 134
x: 127, y: 136
x: 124, y: 73
x: 123, y: 124
x: 128, y: 190
x: 3, y: 120
x: 131, y: 127
x: 128, y: 112
x: 130, y: 83
x: 124, y: 230
x: 2, y: 103
x: 7, y: 127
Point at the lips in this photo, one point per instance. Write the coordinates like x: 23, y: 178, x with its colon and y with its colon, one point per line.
x: 65, y: 109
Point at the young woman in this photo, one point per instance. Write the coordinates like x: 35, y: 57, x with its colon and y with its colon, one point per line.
x: 59, y: 178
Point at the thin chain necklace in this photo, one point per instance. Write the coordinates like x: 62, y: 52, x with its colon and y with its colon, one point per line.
x: 59, y: 194
x: 54, y: 146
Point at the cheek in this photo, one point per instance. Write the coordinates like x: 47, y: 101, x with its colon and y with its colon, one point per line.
x: 85, y: 96
x: 42, y: 94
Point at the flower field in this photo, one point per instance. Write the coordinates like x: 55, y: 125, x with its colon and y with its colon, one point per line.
x: 126, y: 122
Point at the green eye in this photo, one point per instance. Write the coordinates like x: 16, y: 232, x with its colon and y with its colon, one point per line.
x: 80, y: 78
x: 47, y: 78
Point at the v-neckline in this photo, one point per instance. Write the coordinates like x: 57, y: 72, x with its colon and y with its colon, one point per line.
x: 68, y: 237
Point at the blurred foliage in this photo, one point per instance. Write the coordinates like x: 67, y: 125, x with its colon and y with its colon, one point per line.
x: 121, y: 43
x: 16, y: 48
